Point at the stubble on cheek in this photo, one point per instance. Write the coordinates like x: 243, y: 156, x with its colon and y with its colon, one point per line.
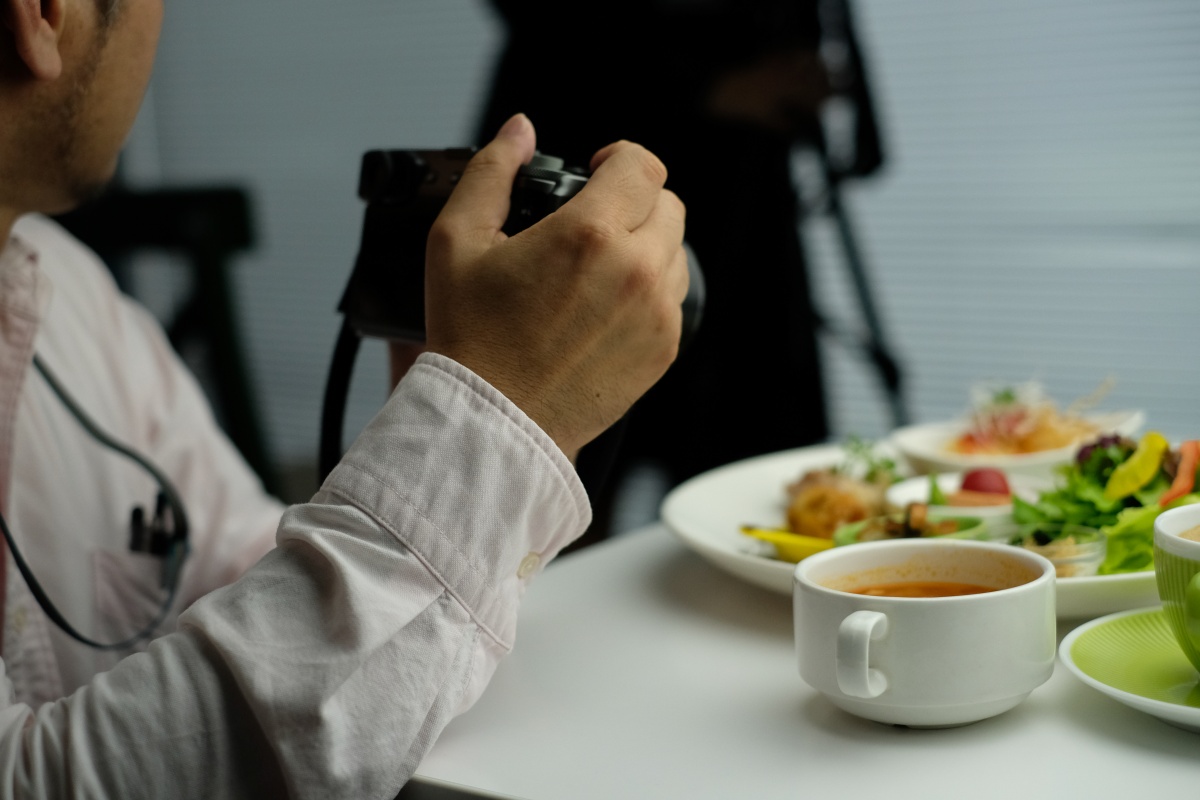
x: 72, y: 147
x: 86, y: 173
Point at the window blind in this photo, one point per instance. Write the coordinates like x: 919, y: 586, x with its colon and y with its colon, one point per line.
x: 1040, y: 214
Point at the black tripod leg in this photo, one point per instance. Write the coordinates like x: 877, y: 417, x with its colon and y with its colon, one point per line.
x: 877, y: 349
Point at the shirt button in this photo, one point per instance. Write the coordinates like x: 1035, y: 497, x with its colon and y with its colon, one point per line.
x: 529, y: 564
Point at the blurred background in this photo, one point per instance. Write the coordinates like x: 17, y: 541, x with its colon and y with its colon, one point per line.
x: 1038, y: 216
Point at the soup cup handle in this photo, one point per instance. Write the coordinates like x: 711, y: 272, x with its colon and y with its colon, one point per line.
x: 855, y: 676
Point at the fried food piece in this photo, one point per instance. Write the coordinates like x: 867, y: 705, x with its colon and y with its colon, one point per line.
x: 823, y: 500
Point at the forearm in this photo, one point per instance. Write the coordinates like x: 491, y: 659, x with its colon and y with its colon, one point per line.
x: 332, y: 665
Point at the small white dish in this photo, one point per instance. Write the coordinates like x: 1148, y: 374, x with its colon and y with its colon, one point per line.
x: 925, y: 447
x: 916, y: 490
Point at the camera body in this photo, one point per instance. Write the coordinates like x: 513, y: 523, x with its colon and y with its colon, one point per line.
x: 405, y: 191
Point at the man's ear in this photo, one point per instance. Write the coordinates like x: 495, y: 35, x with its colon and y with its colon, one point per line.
x: 36, y: 26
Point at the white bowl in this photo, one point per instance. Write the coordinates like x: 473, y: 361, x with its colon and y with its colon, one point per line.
x: 916, y: 490
x: 926, y: 447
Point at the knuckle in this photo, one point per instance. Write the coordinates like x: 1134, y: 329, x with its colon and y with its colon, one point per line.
x: 669, y: 353
x: 591, y: 236
x: 652, y: 166
x: 641, y: 276
x: 677, y: 206
x: 442, y: 236
x: 669, y: 321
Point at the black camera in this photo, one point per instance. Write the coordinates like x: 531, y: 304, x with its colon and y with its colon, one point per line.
x: 405, y: 190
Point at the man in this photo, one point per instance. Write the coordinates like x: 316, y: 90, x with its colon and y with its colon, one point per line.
x: 330, y: 666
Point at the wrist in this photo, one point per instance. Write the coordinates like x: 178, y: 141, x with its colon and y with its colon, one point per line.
x: 530, y: 400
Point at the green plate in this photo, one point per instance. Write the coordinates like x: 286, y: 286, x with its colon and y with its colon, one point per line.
x: 1133, y: 658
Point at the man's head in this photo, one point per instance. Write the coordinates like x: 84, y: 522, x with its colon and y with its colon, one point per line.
x: 72, y: 75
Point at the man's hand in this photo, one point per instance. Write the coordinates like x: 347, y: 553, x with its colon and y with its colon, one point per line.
x: 576, y: 317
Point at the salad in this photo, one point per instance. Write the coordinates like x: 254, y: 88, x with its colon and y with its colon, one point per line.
x: 1120, y: 487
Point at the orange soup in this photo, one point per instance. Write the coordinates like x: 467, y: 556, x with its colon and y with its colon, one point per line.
x: 922, y: 589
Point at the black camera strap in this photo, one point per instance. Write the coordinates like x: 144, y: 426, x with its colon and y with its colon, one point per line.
x: 171, y: 545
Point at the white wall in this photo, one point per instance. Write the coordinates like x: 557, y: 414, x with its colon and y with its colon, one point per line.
x: 1040, y: 216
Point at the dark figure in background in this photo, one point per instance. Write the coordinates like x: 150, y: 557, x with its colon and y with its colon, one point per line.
x: 744, y: 83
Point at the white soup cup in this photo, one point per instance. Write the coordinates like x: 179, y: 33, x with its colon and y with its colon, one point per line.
x: 925, y: 661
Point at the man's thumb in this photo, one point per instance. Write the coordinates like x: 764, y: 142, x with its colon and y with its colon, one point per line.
x: 478, y: 206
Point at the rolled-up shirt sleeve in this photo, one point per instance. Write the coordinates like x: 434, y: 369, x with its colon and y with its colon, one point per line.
x: 331, y: 666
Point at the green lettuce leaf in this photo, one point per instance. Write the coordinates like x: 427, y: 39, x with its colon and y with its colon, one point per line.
x: 1148, y: 495
x: 1026, y: 513
x: 1131, y: 537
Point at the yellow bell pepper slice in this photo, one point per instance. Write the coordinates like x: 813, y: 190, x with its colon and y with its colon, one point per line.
x: 789, y: 546
x: 1139, y: 469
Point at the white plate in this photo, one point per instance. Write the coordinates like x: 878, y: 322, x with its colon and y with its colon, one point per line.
x: 707, y: 511
x: 924, y: 446
x: 916, y: 490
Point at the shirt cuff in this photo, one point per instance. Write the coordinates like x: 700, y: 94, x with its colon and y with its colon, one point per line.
x: 463, y: 478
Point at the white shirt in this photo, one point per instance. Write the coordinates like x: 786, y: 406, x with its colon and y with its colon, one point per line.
x: 330, y: 667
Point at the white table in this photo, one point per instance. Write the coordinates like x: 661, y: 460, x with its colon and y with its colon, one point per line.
x: 642, y: 672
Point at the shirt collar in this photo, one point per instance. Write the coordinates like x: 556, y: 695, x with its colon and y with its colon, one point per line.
x: 24, y: 288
